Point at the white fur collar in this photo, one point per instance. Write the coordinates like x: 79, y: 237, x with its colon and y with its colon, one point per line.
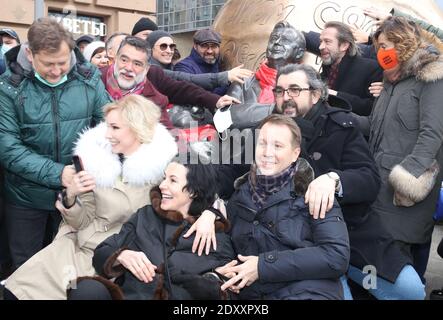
x: 145, y: 166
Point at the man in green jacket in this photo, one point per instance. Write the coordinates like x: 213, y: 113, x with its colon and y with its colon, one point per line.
x: 48, y: 95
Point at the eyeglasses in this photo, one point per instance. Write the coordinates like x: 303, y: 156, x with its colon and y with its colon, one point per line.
x: 164, y: 46
x: 292, y: 91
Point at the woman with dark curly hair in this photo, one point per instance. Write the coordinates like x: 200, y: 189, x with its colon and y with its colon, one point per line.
x: 150, y: 258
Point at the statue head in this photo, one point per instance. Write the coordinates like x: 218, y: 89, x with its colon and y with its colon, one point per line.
x: 286, y: 45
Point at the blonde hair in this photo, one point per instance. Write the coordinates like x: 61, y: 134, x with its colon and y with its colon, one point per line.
x: 140, y: 114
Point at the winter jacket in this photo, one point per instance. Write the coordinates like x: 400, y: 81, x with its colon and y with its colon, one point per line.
x: 298, y: 257
x: 355, y: 75
x: 195, y: 64
x: 334, y: 143
x: 39, y: 124
x: 121, y: 189
x: 406, y: 136
x: 159, y: 233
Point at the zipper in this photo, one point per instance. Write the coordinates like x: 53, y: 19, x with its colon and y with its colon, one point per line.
x: 247, y: 208
x: 56, y: 126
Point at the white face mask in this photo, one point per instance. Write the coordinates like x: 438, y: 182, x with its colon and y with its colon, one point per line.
x: 5, y: 49
x: 223, y: 120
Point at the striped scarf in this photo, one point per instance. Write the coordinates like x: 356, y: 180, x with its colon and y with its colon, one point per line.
x: 262, y: 186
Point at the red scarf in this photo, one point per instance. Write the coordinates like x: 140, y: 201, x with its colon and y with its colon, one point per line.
x: 266, y: 77
x: 115, y: 91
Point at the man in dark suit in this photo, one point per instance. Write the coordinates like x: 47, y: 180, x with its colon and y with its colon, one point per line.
x: 347, y: 74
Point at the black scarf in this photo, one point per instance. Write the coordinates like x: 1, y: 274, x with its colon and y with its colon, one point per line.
x: 262, y: 186
x: 308, y: 123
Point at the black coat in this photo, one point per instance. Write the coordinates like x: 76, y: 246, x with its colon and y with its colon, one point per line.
x: 150, y: 232
x: 355, y: 75
x: 299, y: 257
x: 337, y: 145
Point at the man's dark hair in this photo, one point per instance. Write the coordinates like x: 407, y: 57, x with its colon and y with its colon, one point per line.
x: 202, y: 182
x: 47, y: 34
x: 344, y: 35
x: 137, y: 43
x: 314, y: 80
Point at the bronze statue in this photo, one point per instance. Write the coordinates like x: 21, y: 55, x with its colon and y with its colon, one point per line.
x: 246, y: 24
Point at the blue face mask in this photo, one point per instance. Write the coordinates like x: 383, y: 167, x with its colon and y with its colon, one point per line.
x: 49, y: 84
x: 4, y: 49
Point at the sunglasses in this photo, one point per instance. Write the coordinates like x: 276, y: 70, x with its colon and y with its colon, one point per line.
x: 164, y: 46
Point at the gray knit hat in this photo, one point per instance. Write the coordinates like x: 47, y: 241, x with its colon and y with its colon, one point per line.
x: 155, y: 35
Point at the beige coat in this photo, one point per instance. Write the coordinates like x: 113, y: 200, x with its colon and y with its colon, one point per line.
x: 95, y: 216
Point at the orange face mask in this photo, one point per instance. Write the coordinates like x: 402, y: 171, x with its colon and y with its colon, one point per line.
x: 387, y: 58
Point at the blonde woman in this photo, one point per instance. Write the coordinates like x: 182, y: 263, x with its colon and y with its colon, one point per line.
x: 123, y: 158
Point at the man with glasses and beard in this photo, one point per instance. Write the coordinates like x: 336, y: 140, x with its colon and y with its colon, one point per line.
x: 345, y: 170
x: 132, y: 74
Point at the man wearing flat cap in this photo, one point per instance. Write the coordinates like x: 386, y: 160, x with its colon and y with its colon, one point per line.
x: 143, y: 28
x: 204, y: 57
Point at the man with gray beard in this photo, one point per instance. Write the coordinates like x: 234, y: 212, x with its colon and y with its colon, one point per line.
x: 347, y: 74
x: 132, y: 74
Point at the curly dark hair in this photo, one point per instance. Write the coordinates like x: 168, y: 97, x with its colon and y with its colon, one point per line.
x: 201, y: 183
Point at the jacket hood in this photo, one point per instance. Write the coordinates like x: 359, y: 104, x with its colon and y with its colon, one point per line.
x: 19, y: 56
x: 426, y: 64
x: 144, y: 166
x: 303, y: 176
x: 20, y: 67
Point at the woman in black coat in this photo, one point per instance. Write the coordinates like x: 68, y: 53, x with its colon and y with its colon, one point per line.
x: 150, y: 258
x: 284, y: 252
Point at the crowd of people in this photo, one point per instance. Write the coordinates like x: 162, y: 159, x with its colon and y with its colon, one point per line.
x: 345, y: 171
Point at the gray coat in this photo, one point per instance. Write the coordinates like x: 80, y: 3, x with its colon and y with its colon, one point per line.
x: 406, y: 134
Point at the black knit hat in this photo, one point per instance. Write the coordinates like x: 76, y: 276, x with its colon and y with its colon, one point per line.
x: 144, y: 24
x: 155, y: 35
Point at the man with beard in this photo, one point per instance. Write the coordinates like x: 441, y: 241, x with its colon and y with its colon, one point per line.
x: 132, y: 74
x: 204, y: 57
x: 332, y: 142
x: 345, y: 170
x: 347, y: 74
